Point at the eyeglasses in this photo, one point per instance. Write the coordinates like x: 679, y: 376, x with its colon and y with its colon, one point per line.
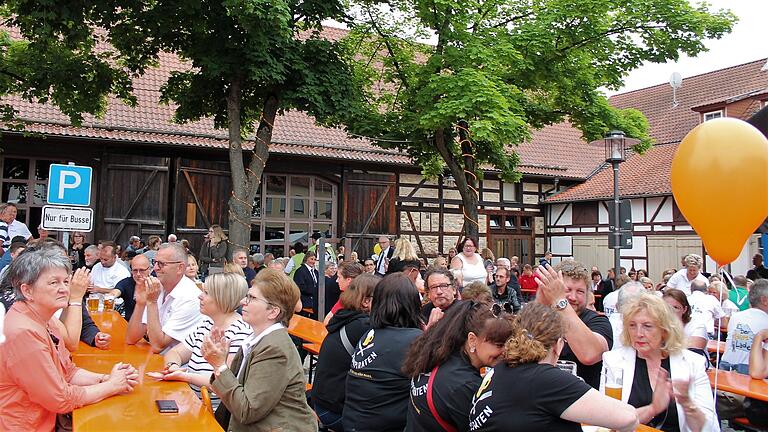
x: 161, y: 264
x: 497, y: 309
x: 249, y: 298
x: 139, y: 270
x: 440, y: 287
x: 78, y: 235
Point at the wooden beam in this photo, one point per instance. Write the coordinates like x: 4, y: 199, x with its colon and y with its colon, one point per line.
x: 373, y: 214
x: 134, y: 204
x: 658, y: 209
x: 197, y: 200
x: 418, y: 239
x: 415, y: 189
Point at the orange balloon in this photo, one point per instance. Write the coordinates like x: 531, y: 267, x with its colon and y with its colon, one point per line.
x: 720, y: 183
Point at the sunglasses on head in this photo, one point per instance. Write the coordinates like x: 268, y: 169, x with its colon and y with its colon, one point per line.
x: 498, y: 309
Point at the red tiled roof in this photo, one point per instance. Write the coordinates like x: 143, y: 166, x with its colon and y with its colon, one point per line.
x: 640, y: 175
x: 669, y: 124
x: 648, y: 175
x: 555, y: 151
x: 562, y: 151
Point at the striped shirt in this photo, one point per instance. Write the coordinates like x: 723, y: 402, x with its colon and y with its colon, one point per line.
x: 237, y: 332
x: 4, y: 235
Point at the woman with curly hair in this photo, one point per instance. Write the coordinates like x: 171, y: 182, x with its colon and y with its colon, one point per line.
x: 527, y: 386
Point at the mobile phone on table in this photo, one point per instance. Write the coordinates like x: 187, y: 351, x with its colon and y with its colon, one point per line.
x: 167, y: 406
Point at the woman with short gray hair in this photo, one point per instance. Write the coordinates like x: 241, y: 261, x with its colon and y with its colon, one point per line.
x: 39, y: 384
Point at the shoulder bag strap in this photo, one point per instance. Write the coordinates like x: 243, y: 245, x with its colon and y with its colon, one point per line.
x: 345, y: 341
x: 431, y: 403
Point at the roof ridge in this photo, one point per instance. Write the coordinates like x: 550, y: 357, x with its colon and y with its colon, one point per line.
x: 761, y: 60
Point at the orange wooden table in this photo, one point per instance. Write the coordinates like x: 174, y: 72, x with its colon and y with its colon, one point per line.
x: 715, y: 346
x: 136, y: 411
x: 740, y: 384
x: 307, y: 329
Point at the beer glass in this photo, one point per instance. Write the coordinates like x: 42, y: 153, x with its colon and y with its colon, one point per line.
x: 93, y: 303
x: 613, y: 378
x: 109, y: 302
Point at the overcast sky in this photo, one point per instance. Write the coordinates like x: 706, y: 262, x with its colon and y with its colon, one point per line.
x: 744, y: 44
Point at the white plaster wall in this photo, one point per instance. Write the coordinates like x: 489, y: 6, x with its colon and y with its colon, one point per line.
x: 554, y: 212
x: 561, y: 245
x: 638, y: 247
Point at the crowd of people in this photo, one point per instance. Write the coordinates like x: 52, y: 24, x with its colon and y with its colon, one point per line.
x: 468, y: 342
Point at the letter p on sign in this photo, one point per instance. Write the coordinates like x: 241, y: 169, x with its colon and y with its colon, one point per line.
x: 69, y: 185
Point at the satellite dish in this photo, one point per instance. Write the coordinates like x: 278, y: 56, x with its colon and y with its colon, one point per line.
x: 676, y: 81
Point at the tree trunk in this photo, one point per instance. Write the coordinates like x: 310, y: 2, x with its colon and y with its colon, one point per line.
x: 245, y: 182
x: 464, y: 183
x: 469, y: 194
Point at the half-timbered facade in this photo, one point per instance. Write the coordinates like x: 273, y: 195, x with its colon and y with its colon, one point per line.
x: 577, y: 218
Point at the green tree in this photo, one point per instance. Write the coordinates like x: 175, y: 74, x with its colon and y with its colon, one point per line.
x: 249, y: 60
x: 497, y: 69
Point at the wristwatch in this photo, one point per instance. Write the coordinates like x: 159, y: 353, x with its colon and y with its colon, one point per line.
x: 560, y: 304
x: 167, y: 365
x: 220, y: 369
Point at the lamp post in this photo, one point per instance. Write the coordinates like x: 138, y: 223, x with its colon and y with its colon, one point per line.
x: 616, y: 153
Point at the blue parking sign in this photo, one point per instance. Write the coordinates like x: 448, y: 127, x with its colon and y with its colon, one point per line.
x: 69, y: 185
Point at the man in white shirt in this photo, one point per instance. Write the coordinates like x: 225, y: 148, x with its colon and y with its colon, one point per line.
x: 384, y: 256
x: 107, y: 272
x: 692, y: 271
x: 704, y: 307
x: 15, y: 228
x: 743, y: 327
x: 167, y: 307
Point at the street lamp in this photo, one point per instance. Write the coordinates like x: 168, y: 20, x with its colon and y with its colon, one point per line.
x: 616, y: 145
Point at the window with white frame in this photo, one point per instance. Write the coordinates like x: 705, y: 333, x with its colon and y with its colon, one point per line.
x: 712, y: 115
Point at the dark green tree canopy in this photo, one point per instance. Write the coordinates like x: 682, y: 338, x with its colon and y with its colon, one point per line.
x: 248, y: 60
x: 503, y: 68
x: 510, y: 66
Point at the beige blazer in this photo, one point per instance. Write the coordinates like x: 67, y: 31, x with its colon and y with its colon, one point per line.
x: 270, y: 395
x: 683, y: 365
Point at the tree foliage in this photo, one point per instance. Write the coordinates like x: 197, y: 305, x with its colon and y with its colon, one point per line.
x: 249, y: 60
x: 507, y: 67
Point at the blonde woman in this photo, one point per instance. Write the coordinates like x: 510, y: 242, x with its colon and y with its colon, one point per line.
x: 219, y: 300
x: 665, y: 382
x: 404, y: 252
x: 213, y: 253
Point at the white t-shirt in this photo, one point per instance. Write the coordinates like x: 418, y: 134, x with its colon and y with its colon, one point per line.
x: 697, y: 328
x: 617, y: 324
x: 729, y: 307
x: 609, y: 303
x: 472, y: 272
x: 108, y: 277
x: 705, y: 308
x: 742, y: 329
x: 680, y: 281
x: 237, y: 332
x: 179, y: 310
x: 17, y: 228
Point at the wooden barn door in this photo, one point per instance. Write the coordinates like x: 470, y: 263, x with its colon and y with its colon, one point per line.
x: 369, y: 209
x: 201, y: 199
x: 133, y: 197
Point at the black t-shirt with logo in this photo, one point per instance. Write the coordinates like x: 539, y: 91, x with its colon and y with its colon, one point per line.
x: 452, y: 389
x: 530, y: 397
x: 598, y: 324
x: 377, y: 389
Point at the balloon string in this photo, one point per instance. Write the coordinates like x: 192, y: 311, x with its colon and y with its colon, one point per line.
x: 723, y: 275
